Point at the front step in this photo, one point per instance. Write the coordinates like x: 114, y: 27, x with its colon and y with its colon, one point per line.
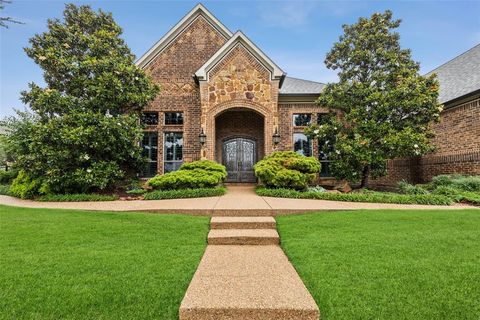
x: 242, y: 223
x: 243, y: 237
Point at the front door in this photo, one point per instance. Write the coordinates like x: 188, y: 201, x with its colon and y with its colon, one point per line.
x: 239, y: 156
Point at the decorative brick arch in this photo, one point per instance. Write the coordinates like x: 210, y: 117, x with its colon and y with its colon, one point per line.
x: 208, y: 123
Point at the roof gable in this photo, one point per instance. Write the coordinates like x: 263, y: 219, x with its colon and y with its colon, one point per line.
x: 189, y: 18
x: 239, y: 39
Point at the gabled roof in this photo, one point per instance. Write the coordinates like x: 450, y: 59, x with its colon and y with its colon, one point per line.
x: 198, y: 10
x: 239, y: 39
x: 294, y: 86
x: 459, y: 76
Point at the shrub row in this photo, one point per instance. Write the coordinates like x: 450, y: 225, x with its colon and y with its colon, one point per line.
x: 185, y: 193
x: 5, y: 190
x: 76, y: 197
x: 375, y: 197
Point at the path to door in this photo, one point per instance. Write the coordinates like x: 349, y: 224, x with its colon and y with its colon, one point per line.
x: 244, y: 274
x: 239, y: 200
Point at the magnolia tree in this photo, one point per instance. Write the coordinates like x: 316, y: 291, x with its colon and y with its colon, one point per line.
x: 84, y: 131
x: 381, y: 108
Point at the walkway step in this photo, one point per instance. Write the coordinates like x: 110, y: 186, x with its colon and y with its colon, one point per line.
x: 247, y: 282
x: 243, y: 236
x: 242, y: 223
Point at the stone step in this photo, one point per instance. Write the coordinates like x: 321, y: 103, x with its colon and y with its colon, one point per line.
x: 247, y: 282
x: 243, y: 237
x: 242, y: 223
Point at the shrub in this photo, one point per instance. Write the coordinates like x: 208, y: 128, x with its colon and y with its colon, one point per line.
x: 319, y: 189
x: 77, y: 197
x: 185, y: 193
x: 197, y: 174
x: 5, y: 190
x: 465, y: 183
x: 287, y: 169
x: 408, y: 188
x: 6, y: 177
x: 26, y: 187
x: 374, y: 197
x: 136, y: 191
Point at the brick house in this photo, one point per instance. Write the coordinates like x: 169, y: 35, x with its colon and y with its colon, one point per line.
x: 223, y: 99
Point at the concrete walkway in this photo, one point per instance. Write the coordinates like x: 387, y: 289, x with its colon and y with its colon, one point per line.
x: 239, y: 199
x: 244, y: 274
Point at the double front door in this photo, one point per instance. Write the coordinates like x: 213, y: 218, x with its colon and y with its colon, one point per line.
x: 239, y: 156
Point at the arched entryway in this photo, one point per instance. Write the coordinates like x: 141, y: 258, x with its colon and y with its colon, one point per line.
x: 239, y: 142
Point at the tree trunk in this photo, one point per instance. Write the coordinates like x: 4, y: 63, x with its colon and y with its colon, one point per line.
x: 365, y: 176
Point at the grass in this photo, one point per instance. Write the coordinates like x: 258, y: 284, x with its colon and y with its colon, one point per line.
x: 65, y: 264
x: 76, y: 197
x: 388, y: 264
x: 185, y: 193
x: 370, y: 196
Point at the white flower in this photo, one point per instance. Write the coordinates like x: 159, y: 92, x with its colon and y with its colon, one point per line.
x: 86, y: 157
x: 337, y: 151
x: 89, y: 170
x: 334, y: 128
x: 415, y: 146
x: 316, y: 131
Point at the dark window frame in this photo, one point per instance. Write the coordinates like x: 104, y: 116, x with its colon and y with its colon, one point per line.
x: 175, y: 163
x: 305, y: 122
x: 144, y: 119
x: 177, y: 120
x: 150, y: 151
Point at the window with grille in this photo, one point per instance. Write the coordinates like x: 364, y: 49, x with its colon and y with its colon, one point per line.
x: 149, y: 118
x: 302, y: 144
x: 150, y: 151
x: 173, y: 151
x: 302, y: 119
x: 173, y: 118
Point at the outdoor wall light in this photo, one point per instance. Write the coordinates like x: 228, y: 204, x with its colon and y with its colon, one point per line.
x: 276, y: 137
x: 202, y: 137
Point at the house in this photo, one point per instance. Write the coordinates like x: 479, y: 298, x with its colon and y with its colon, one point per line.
x: 224, y: 99
x: 457, y: 136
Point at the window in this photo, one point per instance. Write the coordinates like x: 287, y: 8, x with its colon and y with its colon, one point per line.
x: 173, y: 151
x: 325, y: 146
x: 302, y: 144
x: 150, y: 151
x: 173, y: 118
x: 302, y: 119
x: 149, y: 118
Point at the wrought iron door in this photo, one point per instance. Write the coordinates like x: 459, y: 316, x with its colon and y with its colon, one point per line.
x: 239, y: 156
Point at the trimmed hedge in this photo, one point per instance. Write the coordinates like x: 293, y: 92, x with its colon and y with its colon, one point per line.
x: 76, y: 197
x: 185, y: 193
x: 197, y: 174
x: 374, y: 197
x: 287, y: 169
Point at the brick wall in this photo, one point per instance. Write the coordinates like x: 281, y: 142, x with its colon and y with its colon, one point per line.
x: 457, y: 143
x: 172, y: 69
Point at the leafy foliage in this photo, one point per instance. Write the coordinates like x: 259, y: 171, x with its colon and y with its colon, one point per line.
x: 77, y: 197
x: 185, y: 193
x: 5, y: 190
x: 26, y: 187
x: 374, y: 197
x: 460, y: 182
x: 83, y: 133
x: 6, y: 177
x: 387, y: 108
x: 408, y: 188
x: 287, y: 169
x: 197, y: 174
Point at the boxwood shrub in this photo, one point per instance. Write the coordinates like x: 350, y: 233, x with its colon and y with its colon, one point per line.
x: 197, y: 174
x: 76, y: 197
x: 287, y: 169
x: 185, y: 193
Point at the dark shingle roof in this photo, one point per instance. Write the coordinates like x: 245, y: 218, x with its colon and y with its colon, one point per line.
x: 459, y: 76
x: 299, y: 86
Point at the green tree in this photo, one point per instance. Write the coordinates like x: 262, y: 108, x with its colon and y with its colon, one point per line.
x: 4, y: 21
x: 385, y: 108
x: 84, y: 131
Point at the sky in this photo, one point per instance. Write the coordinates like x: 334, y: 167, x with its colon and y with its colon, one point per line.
x: 296, y: 35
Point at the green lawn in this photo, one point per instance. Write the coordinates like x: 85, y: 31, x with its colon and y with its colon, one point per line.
x: 388, y: 264
x: 61, y: 264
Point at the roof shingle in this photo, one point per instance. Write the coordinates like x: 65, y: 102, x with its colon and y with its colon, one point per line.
x: 300, y: 86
